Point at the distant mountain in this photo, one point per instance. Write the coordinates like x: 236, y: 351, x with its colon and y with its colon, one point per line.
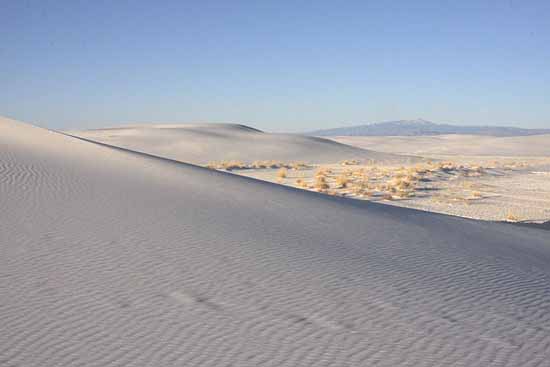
x: 423, y: 127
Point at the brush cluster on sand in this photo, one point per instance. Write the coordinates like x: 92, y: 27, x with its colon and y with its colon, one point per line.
x: 464, y: 188
x: 271, y: 164
x: 383, y: 182
x: 350, y: 162
x: 370, y: 181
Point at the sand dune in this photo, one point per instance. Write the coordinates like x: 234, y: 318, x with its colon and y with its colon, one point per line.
x: 203, y: 143
x: 517, y: 146
x: 113, y: 258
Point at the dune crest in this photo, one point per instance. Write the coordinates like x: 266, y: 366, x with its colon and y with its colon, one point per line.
x: 203, y: 143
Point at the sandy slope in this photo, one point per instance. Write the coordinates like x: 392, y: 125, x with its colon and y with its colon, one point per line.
x: 205, y: 143
x: 536, y: 145
x: 113, y: 258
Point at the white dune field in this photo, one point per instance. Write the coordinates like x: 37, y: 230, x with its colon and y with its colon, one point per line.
x: 512, y: 186
x: 454, y: 145
x: 518, y: 187
x: 204, y: 143
x: 110, y: 257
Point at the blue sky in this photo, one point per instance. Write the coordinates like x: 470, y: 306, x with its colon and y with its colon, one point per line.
x: 279, y: 66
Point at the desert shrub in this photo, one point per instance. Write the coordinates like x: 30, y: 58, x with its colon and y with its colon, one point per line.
x: 358, y: 173
x: 350, y: 162
x: 231, y: 165
x: 301, y: 183
x: 402, y: 182
x: 362, y: 185
x: 512, y: 218
x: 282, y: 173
x: 323, y: 171
x: 259, y: 164
x: 342, y: 181
x: 298, y: 166
x: 419, y: 169
x: 274, y: 164
x: 477, y: 169
x: 321, y: 183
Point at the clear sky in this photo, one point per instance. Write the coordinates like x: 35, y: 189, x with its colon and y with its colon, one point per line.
x: 279, y: 66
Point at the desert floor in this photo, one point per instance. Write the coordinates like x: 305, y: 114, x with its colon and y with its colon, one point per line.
x: 488, y: 188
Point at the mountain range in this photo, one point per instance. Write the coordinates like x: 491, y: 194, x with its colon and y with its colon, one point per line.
x: 424, y: 127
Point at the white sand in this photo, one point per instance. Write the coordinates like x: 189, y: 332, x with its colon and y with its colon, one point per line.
x: 509, y: 189
x: 521, y: 193
x: 203, y: 143
x: 471, y: 145
x: 113, y: 258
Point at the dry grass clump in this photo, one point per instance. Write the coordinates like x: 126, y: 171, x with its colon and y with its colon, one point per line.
x: 231, y: 165
x: 259, y: 164
x: 348, y: 172
x: 301, y: 183
x: 321, y: 183
x: 276, y: 164
x: 402, y: 185
x: 446, y: 166
x: 227, y: 165
x: 323, y: 171
x: 419, y: 169
x: 269, y: 164
x: 342, y: 181
x: 282, y: 173
x: 298, y: 166
x: 361, y: 185
x: 358, y: 173
x: 382, y: 187
x: 474, y: 171
x: 350, y: 162
x: 401, y: 182
x: 512, y: 218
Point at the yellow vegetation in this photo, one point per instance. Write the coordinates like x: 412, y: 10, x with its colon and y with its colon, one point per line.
x: 512, y: 218
x: 321, y: 183
x: 301, y: 183
x: 342, y: 181
x: 350, y: 162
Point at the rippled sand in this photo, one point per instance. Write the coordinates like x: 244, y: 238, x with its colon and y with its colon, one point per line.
x: 114, y: 258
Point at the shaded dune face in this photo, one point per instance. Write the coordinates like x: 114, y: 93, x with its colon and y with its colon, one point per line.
x: 108, y: 257
x: 200, y: 144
